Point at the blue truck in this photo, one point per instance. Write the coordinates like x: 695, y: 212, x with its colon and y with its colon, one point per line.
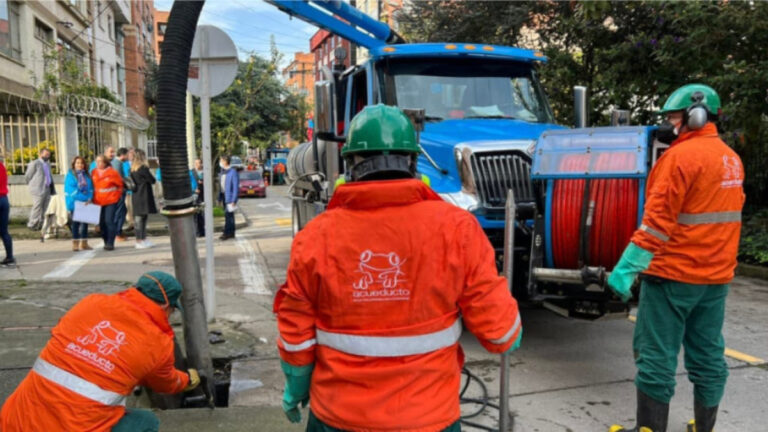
x: 483, y: 121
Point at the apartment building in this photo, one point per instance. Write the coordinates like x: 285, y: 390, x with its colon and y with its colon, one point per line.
x: 322, y: 45
x: 158, y: 33
x: 139, y: 50
x: 299, y: 75
x: 381, y: 10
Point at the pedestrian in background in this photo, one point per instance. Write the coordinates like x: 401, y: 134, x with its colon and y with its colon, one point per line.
x: 40, y: 181
x: 78, y: 186
x: 120, y: 211
x: 107, y: 191
x: 143, y: 198
x: 128, y: 192
x: 5, y: 213
x: 199, y: 216
x: 230, y: 181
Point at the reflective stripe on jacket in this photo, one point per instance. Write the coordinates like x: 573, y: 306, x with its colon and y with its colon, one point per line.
x: 692, y: 218
x: 377, y: 289
x: 107, y: 186
x: 98, y: 352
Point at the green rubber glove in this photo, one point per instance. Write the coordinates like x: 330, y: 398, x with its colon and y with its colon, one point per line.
x: 297, y: 379
x: 516, y: 345
x: 634, y: 260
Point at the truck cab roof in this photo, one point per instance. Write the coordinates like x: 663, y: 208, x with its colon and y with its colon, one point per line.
x: 457, y: 49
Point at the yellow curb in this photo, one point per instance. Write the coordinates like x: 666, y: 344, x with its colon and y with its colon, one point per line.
x: 283, y: 221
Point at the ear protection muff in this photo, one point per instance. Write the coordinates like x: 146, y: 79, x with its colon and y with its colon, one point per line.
x: 697, y: 115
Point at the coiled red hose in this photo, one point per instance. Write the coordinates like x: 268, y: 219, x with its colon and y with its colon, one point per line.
x: 614, y: 217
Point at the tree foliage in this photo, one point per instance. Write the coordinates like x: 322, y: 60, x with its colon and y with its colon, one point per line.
x: 631, y: 55
x: 255, y: 108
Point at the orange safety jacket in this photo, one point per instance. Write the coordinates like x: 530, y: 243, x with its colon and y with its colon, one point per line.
x: 98, y: 352
x: 107, y: 186
x: 692, y: 218
x: 376, y: 292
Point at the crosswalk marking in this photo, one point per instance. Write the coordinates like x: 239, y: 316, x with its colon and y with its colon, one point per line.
x: 74, y: 263
x: 252, y: 269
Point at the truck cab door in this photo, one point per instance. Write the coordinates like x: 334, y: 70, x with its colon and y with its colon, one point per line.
x: 358, y: 94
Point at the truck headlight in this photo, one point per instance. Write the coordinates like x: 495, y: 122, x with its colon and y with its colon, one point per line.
x: 463, y: 156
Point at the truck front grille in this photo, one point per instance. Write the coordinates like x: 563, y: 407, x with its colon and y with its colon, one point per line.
x: 497, y: 172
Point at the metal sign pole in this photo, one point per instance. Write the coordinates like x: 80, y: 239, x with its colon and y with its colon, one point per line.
x: 205, y: 134
x: 509, y: 261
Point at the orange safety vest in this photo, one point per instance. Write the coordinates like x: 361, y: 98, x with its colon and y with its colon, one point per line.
x: 107, y: 186
x: 377, y: 289
x: 692, y: 218
x: 98, y: 352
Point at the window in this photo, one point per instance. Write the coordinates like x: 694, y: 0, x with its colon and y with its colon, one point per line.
x: 111, y: 77
x: 99, y: 15
x: 68, y: 52
x: 10, y: 42
x: 110, y: 28
x: 43, y: 32
x: 161, y: 27
x: 102, y: 75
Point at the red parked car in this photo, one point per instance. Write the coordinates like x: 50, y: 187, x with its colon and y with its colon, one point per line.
x: 252, y: 184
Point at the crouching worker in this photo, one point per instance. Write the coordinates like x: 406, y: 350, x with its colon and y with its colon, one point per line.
x: 98, y: 352
x: 378, y: 286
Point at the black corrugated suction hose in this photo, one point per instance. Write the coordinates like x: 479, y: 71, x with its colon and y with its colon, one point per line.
x: 171, y: 104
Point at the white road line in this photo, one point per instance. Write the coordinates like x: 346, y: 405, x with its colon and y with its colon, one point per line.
x: 277, y: 204
x: 74, y: 263
x: 252, y: 269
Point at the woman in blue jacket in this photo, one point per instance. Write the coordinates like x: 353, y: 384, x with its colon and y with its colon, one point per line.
x: 78, y: 187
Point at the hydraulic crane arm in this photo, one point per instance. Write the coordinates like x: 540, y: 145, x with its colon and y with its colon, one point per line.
x: 360, y: 28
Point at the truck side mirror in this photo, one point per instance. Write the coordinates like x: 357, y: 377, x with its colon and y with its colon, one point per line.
x: 325, y: 110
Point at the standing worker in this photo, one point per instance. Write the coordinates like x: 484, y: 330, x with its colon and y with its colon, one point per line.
x: 686, y: 250
x: 369, y: 317
x: 99, y: 351
x: 230, y: 188
x: 40, y: 181
x: 5, y: 212
x: 107, y: 192
x: 121, y: 209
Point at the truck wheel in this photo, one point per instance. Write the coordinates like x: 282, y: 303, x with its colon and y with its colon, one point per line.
x: 296, y: 224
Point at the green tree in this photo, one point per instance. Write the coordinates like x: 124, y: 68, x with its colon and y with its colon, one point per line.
x: 255, y: 108
x: 631, y: 55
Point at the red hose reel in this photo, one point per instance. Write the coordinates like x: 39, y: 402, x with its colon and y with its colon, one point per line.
x: 613, y: 206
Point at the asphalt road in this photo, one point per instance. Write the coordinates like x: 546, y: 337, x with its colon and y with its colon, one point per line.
x: 568, y: 376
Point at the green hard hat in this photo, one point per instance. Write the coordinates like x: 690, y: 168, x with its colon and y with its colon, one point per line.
x: 689, y: 94
x: 380, y: 128
x: 153, y: 284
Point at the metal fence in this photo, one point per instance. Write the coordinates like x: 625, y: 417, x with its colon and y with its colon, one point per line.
x: 94, y: 135
x: 22, y: 136
x: 152, y: 149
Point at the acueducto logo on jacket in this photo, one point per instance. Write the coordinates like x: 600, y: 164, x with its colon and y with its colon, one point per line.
x: 380, y: 275
x: 102, y: 340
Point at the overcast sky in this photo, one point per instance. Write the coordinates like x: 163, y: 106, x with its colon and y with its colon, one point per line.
x: 251, y: 22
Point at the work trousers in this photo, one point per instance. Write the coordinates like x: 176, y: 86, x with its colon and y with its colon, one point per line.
x: 673, y: 313
x: 39, y: 206
x: 128, y: 210
x: 120, y: 212
x: 79, y: 230
x: 229, y: 223
x: 137, y: 420
x: 200, y: 223
x: 140, y: 226
x: 107, y: 224
x: 5, y: 213
x: 314, y: 424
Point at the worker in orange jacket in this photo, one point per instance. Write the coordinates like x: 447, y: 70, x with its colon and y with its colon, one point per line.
x: 99, y: 351
x: 376, y: 292
x: 107, y: 192
x: 686, y: 250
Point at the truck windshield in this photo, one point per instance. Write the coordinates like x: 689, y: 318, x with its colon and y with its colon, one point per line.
x: 464, y: 88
